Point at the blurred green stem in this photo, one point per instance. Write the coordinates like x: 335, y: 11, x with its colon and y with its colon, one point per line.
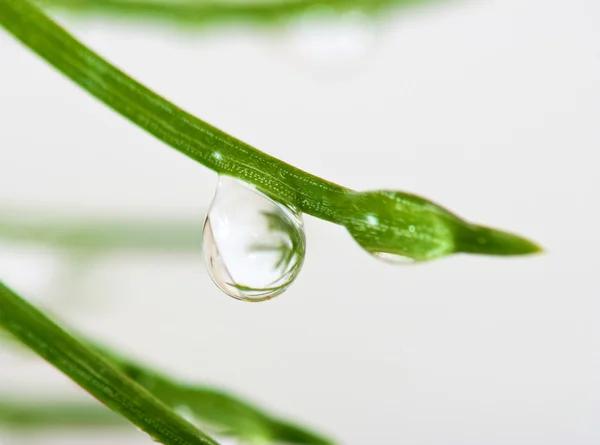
x: 96, y: 237
x: 199, y: 12
x: 19, y: 415
x: 217, y: 410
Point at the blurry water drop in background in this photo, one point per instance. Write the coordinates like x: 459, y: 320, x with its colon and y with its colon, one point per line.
x: 325, y: 38
x: 253, y: 246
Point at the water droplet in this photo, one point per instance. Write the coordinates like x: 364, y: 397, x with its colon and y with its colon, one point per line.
x: 392, y: 258
x: 324, y: 37
x: 253, y: 246
x: 186, y: 412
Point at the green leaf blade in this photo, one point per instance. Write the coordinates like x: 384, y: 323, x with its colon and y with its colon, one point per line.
x: 93, y: 373
x: 29, y: 415
x: 140, y: 394
x: 475, y: 239
x: 406, y: 225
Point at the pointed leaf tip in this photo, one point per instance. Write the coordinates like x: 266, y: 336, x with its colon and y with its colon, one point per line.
x: 487, y: 241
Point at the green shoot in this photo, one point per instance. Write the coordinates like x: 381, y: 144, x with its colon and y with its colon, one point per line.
x: 198, y: 12
x: 383, y: 222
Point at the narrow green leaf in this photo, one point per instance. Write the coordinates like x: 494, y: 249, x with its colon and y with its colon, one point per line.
x: 198, y: 12
x: 96, y: 237
x: 217, y: 410
x: 408, y: 226
x: 471, y: 238
x: 19, y: 415
x: 94, y: 373
x: 384, y: 223
x: 210, y: 408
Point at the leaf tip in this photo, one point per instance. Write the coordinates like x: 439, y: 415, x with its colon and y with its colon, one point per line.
x: 487, y: 241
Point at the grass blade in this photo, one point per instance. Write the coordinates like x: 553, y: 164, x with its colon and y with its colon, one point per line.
x: 18, y: 415
x: 104, y: 236
x: 94, y: 373
x: 214, y: 409
x: 382, y: 222
x: 197, y: 12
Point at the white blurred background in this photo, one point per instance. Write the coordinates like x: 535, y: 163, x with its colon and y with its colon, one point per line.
x: 489, y: 107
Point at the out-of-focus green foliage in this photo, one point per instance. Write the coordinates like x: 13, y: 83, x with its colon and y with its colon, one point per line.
x: 218, y: 411
x: 133, y: 390
x: 201, y: 12
x: 19, y: 415
x: 102, y: 236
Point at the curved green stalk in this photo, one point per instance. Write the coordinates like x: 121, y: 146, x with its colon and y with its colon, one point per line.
x: 21, y: 415
x: 194, y: 12
x: 382, y: 222
x: 94, y: 373
x: 97, y: 237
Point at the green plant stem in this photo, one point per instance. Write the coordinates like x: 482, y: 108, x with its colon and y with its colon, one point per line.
x: 97, y: 237
x: 94, y: 373
x: 194, y: 12
x: 381, y: 222
x: 191, y: 136
x: 20, y: 415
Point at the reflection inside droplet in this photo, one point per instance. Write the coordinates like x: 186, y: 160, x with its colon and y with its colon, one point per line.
x: 253, y: 246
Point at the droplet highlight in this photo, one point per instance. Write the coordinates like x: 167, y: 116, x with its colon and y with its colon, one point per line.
x: 254, y: 247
